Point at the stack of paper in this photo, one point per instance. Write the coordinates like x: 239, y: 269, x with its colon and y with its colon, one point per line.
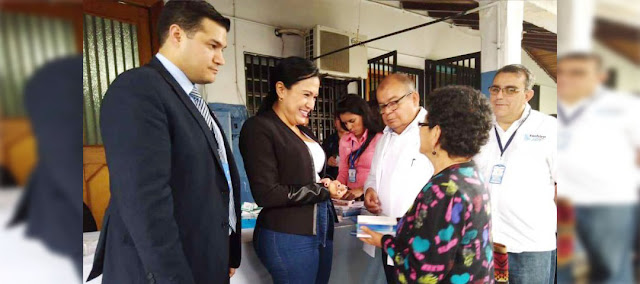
x: 381, y: 224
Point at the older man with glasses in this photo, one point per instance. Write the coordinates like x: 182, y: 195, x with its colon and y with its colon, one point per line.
x: 398, y: 170
x: 519, y: 165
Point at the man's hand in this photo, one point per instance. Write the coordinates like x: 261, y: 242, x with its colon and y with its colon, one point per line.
x: 371, y: 201
x: 232, y: 271
x: 332, y: 161
x: 353, y: 193
x: 375, y: 240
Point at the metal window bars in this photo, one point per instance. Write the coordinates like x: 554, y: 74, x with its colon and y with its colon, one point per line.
x: 380, y: 67
x: 257, y: 71
x: 458, y: 70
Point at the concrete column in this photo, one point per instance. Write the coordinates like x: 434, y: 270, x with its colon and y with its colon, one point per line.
x: 501, y: 37
x: 575, y: 25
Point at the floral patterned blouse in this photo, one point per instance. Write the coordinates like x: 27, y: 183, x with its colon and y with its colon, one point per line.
x: 444, y: 237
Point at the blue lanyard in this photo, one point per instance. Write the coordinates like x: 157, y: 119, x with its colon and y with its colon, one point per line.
x: 354, y: 156
x: 502, y: 150
x: 567, y: 120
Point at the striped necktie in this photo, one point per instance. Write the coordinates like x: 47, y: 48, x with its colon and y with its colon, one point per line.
x: 204, y: 110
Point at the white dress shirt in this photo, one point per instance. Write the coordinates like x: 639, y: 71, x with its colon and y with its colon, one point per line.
x: 524, y: 211
x: 398, y: 170
x: 176, y: 73
x: 598, y: 148
x: 318, y: 155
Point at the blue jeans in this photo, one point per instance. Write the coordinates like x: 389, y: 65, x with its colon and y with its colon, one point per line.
x: 607, y: 234
x: 296, y: 259
x: 537, y: 267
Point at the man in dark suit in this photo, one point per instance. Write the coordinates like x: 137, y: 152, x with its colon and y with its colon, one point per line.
x: 174, y: 214
x: 50, y: 205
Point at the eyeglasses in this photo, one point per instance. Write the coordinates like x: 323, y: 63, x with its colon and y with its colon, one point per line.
x: 393, y: 105
x: 509, y: 91
x: 423, y: 124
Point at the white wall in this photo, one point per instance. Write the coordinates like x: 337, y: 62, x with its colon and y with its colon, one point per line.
x: 548, y: 100
x: 627, y: 72
x: 254, y: 22
x: 245, y: 36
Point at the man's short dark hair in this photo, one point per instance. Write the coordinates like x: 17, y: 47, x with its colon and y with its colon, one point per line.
x: 584, y: 56
x: 188, y: 14
x: 519, y: 69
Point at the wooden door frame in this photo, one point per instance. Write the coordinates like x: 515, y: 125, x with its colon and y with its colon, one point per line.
x: 142, y: 13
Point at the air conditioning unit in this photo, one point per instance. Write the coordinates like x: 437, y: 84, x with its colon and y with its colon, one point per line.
x: 350, y: 63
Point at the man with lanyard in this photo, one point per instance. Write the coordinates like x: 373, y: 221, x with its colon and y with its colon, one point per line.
x: 598, y: 145
x: 519, y: 165
x: 398, y: 170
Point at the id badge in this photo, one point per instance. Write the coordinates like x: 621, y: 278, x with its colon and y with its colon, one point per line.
x: 497, y: 174
x: 352, y: 175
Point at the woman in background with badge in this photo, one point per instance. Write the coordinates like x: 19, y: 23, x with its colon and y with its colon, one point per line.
x: 357, y: 147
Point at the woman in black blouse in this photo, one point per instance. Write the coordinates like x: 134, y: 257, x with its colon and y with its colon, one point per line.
x: 294, y: 232
x: 445, y: 236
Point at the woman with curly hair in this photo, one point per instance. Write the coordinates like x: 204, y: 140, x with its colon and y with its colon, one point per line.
x: 445, y: 235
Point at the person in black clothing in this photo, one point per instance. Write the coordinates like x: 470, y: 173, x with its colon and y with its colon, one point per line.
x: 88, y: 222
x: 49, y: 205
x: 331, y: 148
x: 293, y: 237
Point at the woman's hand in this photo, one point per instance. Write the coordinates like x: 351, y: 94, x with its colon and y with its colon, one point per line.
x: 353, y: 193
x: 337, y: 189
x: 325, y: 182
x: 376, y: 238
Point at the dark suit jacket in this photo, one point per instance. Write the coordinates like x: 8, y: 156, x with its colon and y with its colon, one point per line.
x: 282, y: 175
x: 167, y: 221
x: 51, y: 204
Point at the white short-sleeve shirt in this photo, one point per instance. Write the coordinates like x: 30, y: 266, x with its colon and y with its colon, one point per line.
x: 523, y: 207
x: 597, y: 150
